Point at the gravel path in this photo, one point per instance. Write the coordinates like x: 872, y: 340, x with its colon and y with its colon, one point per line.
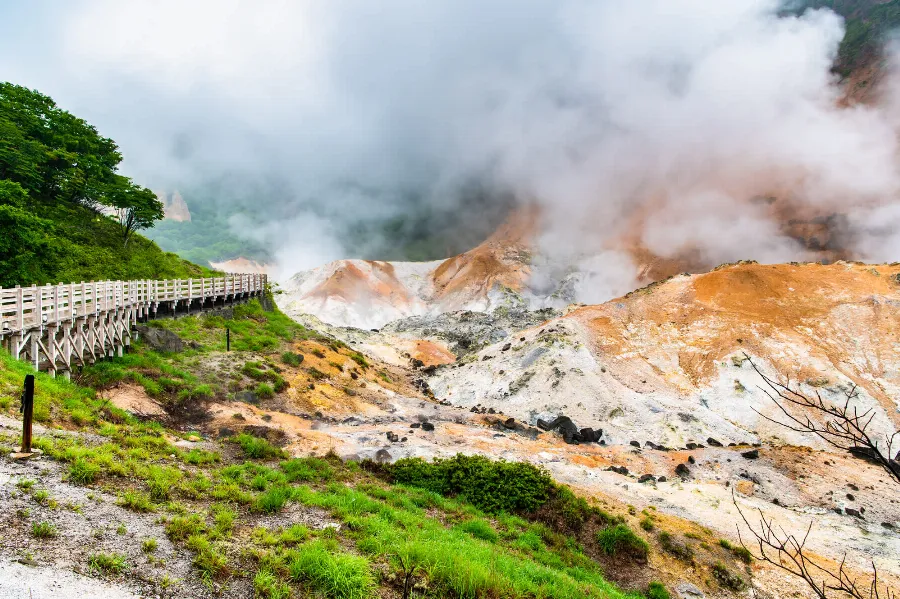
x: 18, y: 581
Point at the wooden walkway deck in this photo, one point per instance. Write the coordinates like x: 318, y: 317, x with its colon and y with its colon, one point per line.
x: 58, y: 326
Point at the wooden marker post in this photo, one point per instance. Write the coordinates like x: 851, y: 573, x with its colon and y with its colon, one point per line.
x: 227, y: 339
x: 27, y: 410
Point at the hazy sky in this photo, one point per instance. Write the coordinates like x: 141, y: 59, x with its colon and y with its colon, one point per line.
x: 597, y: 110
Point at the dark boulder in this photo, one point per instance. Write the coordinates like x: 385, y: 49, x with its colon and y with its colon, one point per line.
x: 682, y: 470
x: 159, y: 339
x: 427, y: 427
x: 510, y: 423
x: 247, y: 397
x: 415, y: 425
x: 751, y: 455
x: 392, y: 437
x: 713, y: 442
x: 691, y: 459
x: 691, y: 446
x: 383, y: 456
x: 635, y: 444
x: 646, y: 478
x: 853, y: 512
x: 506, y: 347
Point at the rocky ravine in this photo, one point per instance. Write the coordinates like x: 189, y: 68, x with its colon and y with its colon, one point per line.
x: 664, y: 369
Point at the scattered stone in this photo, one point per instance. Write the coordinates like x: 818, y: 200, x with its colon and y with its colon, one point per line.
x: 392, y: 437
x: 682, y: 470
x: 491, y: 411
x: 691, y: 459
x: 686, y: 590
x: 850, y: 496
x: 691, y: 445
x: 853, y: 512
x: 888, y: 525
x: 647, y: 478
x: 751, y: 455
x: 403, y: 440
x: 225, y: 432
x: 854, y: 487
x: 415, y: 425
x: 506, y: 347
x: 383, y: 456
x: 713, y: 442
x: 510, y: 423
x: 635, y: 444
x: 427, y: 427
x: 661, y: 479
x: 618, y: 469
x: 569, y: 431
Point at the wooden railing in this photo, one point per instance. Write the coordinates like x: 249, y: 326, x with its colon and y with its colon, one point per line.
x: 96, y: 318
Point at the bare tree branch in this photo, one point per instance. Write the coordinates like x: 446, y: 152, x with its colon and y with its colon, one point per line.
x: 844, y: 427
x: 788, y: 553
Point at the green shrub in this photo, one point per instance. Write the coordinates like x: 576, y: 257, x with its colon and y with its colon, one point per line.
x: 359, y: 359
x: 620, y: 539
x: 656, y: 590
x: 743, y: 554
x: 728, y: 579
x: 331, y: 572
x: 315, y: 374
x: 272, y: 500
x: 676, y: 548
x: 108, y: 563
x: 148, y: 545
x: 479, y: 529
x: 647, y: 523
x: 257, y: 448
x: 25, y: 484
x: 265, y: 391
x: 491, y: 486
x: 292, y: 359
x: 43, y: 530
x: 83, y: 472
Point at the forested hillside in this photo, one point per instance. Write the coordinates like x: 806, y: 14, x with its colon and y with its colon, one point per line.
x: 66, y: 214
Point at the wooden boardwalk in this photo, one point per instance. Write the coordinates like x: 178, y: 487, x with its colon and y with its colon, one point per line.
x: 58, y: 326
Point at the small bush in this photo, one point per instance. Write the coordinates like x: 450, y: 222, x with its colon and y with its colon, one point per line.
x: 359, y: 359
x: 647, y: 523
x: 257, y: 448
x: 148, y: 545
x: 108, y: 563
x: 676, y: 548
x: 315, y: 374
x: 272, y: 500
x: 136, y: 501
x: 25, y: 484
x: 656, y: 590
x: 318, y: 353
x: 43, y: 530
x: 743, y: 554
x: 332, y: 572
x: 265, y: 391
x: 480, y: 529
x: 83, y: 472
x: 491, y: 486
x: 728, y: 579
x: 292, y: 359
x: 621, y: 539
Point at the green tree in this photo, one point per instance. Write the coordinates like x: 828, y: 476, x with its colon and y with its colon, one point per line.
x: 136, y: 207
x: 25, y: 244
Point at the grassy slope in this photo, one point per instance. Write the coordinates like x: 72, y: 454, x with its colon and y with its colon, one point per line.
x: 87, y: 246
x: 213, y: 501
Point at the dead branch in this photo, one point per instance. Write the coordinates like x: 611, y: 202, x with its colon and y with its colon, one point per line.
x: 787, y: 552
x: 844, y: 426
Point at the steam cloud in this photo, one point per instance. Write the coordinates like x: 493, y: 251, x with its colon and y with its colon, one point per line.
x: 648, y: 122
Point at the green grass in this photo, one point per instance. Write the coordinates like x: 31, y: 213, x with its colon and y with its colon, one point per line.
x: 621, y: 539
x: 480, y: 529
x: 136, y: 501
x: 727, y: 578
x: 266, y: 585
x: 43, y: 530
x: 107, y: 563
x: 272, y: 500
x: 292, y: 359
x: 332, y: 572
x: 656, y: 590
x: 149, y: 545
x: 670, y: 544
x: 257, y: 448
x: 265, y: 391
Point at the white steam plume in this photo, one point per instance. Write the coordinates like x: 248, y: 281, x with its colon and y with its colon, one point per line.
x: 648, y: 122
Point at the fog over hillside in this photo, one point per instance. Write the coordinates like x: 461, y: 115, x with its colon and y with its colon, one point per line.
x: 656, y: 120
